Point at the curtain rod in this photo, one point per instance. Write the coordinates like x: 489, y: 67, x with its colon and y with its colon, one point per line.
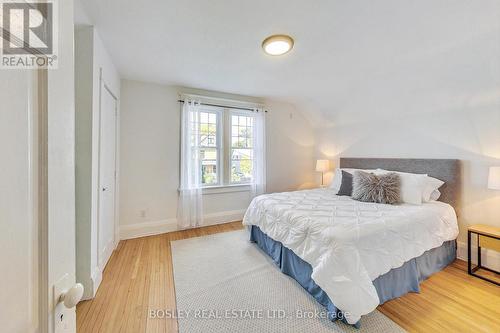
x: 224, y: 106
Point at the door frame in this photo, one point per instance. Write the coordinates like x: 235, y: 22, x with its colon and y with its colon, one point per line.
x: 46, y: 281
x: 104, y: 87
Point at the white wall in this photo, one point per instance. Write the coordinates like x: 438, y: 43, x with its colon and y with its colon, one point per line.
x: 92, y: 59
x: 290, y: 149
x: 150, y: 143
x: 149, y: 154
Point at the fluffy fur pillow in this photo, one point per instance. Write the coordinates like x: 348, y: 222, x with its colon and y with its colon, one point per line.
x: 385, y: 189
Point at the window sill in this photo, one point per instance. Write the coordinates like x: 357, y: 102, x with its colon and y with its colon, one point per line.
x: 226, y: 189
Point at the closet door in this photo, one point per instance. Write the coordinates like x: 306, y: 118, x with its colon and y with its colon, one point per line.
x: 107, y: 176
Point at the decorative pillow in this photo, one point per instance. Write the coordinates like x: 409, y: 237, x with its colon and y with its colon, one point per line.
x: 346, y: 186
x: 412, y: 186
x: 384, y: 188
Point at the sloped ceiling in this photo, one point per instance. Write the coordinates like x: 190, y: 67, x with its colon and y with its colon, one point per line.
x: 351, y: 58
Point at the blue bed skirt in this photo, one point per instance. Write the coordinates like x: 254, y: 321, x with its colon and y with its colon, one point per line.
x: 393, y: 284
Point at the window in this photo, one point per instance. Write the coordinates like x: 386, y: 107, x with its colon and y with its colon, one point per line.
x: 241, y: 148
x: 209, y: 146
x: 223, y: 138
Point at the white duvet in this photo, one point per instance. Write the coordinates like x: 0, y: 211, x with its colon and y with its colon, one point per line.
x: 350, y: 243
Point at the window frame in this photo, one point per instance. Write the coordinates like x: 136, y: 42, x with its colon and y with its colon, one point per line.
x: 231, y: 113
x: 219, y: 148
x: 224, y: 149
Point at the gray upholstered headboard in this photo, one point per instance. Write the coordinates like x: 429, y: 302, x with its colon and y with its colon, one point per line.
x: 449, y: 171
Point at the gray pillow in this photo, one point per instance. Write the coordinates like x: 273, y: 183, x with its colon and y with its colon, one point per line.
x: 346, y: 186
x: 384, y: 189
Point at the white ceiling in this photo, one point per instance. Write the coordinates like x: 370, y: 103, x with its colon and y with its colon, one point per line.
x: 353, y: 56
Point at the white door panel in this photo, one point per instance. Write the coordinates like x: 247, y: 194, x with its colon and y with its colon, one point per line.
x: 18, y: 258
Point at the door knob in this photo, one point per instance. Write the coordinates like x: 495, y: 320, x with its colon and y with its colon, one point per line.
x: 72, y: 296
x: 104, y: 189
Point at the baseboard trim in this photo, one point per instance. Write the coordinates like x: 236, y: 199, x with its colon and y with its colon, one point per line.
x: 489, y: 258
x: 147, y: 229
x: 96, y: 278
x: 223, y: 217
x: 169, y: 225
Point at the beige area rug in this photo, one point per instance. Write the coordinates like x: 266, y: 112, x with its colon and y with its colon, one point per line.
x: 224, y: 283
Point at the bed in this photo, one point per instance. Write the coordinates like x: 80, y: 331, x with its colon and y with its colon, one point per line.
x: 352, y: 256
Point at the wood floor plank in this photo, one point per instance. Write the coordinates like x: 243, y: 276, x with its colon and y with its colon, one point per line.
x: 139, y: 278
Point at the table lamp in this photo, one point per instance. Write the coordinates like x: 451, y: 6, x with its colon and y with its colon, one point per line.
x: 494, y: 178
x: 322, y: 166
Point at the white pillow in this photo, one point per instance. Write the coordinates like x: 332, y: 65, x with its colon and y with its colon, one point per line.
x: 412, y: 186
x: 435, y: 195
x: 431, y: 186
x: 337, y: 180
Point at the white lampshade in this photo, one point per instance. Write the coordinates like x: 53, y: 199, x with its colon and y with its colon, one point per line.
x: 322, y: 165
x: 494, y: 178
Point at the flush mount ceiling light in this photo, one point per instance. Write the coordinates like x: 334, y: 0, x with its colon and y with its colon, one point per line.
x: 277, y: 44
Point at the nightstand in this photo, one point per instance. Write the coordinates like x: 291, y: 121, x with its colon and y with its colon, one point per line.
x: 487, y: 237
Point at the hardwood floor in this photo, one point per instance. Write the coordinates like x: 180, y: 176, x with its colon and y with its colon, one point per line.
x: 450, y: 300
x: 139, y: 277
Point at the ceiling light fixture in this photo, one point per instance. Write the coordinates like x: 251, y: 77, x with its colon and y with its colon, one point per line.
x: 277, y: 44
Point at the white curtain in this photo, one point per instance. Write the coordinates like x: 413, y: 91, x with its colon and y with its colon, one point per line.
x: 259, y: 160
x: 190, y: 207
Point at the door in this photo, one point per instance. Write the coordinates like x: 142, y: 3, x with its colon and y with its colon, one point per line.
x: 18, y: 227
x: 107, y: 176
x: 37, y: 191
